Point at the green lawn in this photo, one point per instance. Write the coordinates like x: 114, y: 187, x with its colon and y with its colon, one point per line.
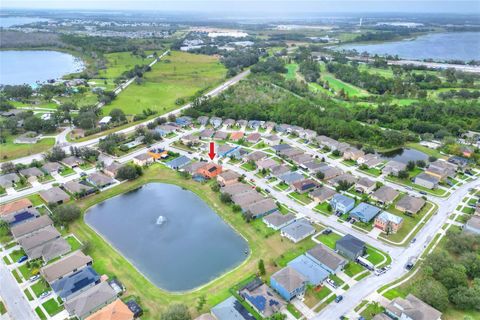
x: 118, y: 62
x: 74, y: 243
x: 302, y: 197
x: 16, y: 275
x: 25, y: 271
x: 352, y: 269
x: 372, y: 171
x: 108, y: 261
x: 329, y: 240
x: 180, y: 75
x: 323, y: 207
x: 436, y: 192
x: 10, y: 150
x: 314, y: 296
x: 16, y: 254
x: 28, y: 294
x: 3, y: 310
x: 52, y: 307
x: 337, y: 85
x: 248, y: 166
x: 291, y: 308
x: 40, y: 287
x: 374, y: 256
x: 371, y: 310
x: 282, y: 186
x: 40, y: 313
x: 292, y: 71
x: 336, y: 279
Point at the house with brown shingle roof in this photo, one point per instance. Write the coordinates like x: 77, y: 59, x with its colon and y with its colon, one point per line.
x: 411, y: 308
x: 91, y: 300
x: 15, y: 207
x: 54, y: 195
x: 23, y: 229
x: 65, y: 266
x: 409, y: 204
x: 227, y: 178
x: 385, y: 195
x: 365, y: 185
x: 117, y: 310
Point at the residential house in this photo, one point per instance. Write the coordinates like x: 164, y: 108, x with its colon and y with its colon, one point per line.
x: 220, y: 135
x: 51, y: 167
x: 65, y: 266
x: 236, y: 136
x: 72, y: 162
x: 441, y: 169
x: 269, y: 125
x: 225, y: 150
x: 326, y: 258
x: 209, y: 171
x: 22, y: 229
x: 190, y: 139
x: 409, y: 204
x: 32, y: 174
x: 281, y: 148
x: 256, y: 156
x: 289, y: 283
x: 261, y: 208
x: 241, y: 123
x: 350, y: 247
x: 157, y: 153
x: 111, y: 170
x: 291, y: 177
x: 473, y: 225
x: 388, y: 222
x: 253, y: 137
x: 311, y: 271
x: 75, y: 283
x: 279, y: 170
x: 45, y: 243
x: 178, y: 163
x: 265, y: 164
x: 298, y: 230
x: 238, y: 153
x: 385, y: 195
x: 290, y: 152
x: 254, y: 124
x: 305, y: 185
x: 307, y: 134
x: 365, y: 185
x: 183, y: 121
x: 263, y: 299
x: 236, y: 189
x: 117, y: 310
x: 216, y: 122
x: 202, y: 120
x: 343, y: 178
x: 341, y: 203
x: 245, y: 199
x: 276, y: 220
x: 364, y: 212
x: 272, y: 140
x: 227, y: 178
x: 9, y: 210
x: 301, y: 159
x: 393, y: 168
x: 411, y: 308
x: 370, y: 160
x: 352, y: 154
x: 91, y: 300
x: 78, y: 188
x: 229, y: 123
x: 322, y: 194
x: 231, y: 309
x: 54, y: 195
x: 330, y: 172
x: 8, y: 180
x: 100, y: 180
x: 314, y: 166
x: 426, y: 180
x: 206, y: 134
x: 143, y: 159
x: 460, y: 162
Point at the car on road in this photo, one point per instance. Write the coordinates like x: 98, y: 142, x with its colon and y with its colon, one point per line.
x: 388, y: 267
x: 267, y: 191
x: 83, y: 174
x: 22, y: 259
x: 422, y: 192
x: 379, y: 272
x: 338, y: 299
x: 327, y: 231
x: 413, y: 240
x: 45, y: 294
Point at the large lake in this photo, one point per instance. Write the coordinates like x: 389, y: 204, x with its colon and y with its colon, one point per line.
x: 191, y: 248
x: 6, y: 22
x: 31, y: 66
x: 405, y: 155
x: 437, y: 46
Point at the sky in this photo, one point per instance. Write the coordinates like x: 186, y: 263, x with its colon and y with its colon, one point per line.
x: 255, y: 7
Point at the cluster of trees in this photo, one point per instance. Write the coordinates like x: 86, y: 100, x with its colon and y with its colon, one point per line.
x: 85, y: 153
x: 310, y: 69
x: 448, y: 280
x: 136, y: 71
x: 87, y: 117
x: 270, y: 65
x: 236, y: 60
x: 17, y: 92
x: 129, y: 172
x: 65, y: 214
x: 110, y: 142
x: 461, y: 94
x: 26, y: 121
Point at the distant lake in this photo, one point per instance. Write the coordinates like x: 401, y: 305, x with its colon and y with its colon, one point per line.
x: 405, y: 155
x: 30, y: 66
x: 193, y: 246
x: 6, y: 22
x: 437, y: 46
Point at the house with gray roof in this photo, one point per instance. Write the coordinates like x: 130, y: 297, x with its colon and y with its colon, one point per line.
x: 263, y: 299
x: 178, y: 163
x: 266, y: 164
x: 31, y: 172
x: 75, y: 283
x: 51, y: 167
x: 329, y: 172
x: 78, y: 188
x: 236, y: 188
x: 345, y: 177
x: 473, y: 225
x: 350, y: 247
x: 291, y: 177
x: 220, y: 135
x: 289, y: 283
x: 216, y: 122
x: 207, y: 133
x: 54, y: 195
x: 202, y: 120
x: 393, y: 167
x: 72, y: 161
x: 46, y: 243
x: 312, y: 271
x: 409, y: 204
x: 100, y: 180
x: 65, y: 266
x: 91, y: 300
x: 298, y: 230
x: 341, y: 203
x: 256, y: 156
x: 111, y: 170
x: 385, y: 195
x: 279, y: 169
x: 261, y: 208
x: 322, y: 194
x: 426, y: 180
x: 231, y: 309
x: 365, y: 185
x: 30, y: 226
x: 411, y: 308
x: 276, y: 220
x: 247, y: 198
x: 327, y: 258
x: 314, y: 166
x: 8, y: 180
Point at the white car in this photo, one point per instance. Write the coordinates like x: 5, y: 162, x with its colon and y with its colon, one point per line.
x: 332, y: 283
x: 45, y: 294
x: 34, y: 278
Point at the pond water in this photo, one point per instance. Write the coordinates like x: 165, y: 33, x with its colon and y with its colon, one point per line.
x: 31, y: 66
x: 6, y: 22
x: 405, y: 155
x: 437, y: 46
x: 171, y: 235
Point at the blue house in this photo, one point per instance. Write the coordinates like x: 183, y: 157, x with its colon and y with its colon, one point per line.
x: 341, y: 203
x: 364, y: 212
x: 289, y: 283
x: 225, y: 150
x: 313, y: 272
x: 183, y: 121
x: 178, y: 163
x: 75, y: 283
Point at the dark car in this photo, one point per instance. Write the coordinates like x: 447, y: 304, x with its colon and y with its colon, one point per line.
x: 22, y: 259
x: 327, y: 231
x: 338, y: 299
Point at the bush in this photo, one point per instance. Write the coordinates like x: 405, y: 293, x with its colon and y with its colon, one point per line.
x: 65, y: 214
x: 129, y: 172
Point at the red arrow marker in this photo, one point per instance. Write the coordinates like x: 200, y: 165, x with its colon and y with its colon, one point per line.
x: 212, y: 153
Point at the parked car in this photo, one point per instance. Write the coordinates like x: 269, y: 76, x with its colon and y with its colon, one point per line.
x: 413, y: 240
x: 379, y: 272
x: 83, y: 174
x: 422, y: 192
x: 388, y: 267
x: 338, y: 299
x: 45, y: 294
x: 267, y: 190
x: 327, y: 231
x: 34, y: 278
x: 22, y: 259
x: 332, y: 283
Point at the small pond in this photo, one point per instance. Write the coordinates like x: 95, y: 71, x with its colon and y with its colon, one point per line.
x: 405, y: 155
x: 170, y: 234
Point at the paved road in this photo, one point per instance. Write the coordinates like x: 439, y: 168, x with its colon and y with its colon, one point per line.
x: 15, y: 301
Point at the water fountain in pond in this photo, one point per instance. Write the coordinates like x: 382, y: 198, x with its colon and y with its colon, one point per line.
x: 161, y: 220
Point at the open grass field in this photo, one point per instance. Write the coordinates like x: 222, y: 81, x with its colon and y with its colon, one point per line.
x: 154, y: 300
x: 119, y: 62
x: 292, y: 71
x: 180, y: 75
x: 337, y: 85
x: 10, y: 150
